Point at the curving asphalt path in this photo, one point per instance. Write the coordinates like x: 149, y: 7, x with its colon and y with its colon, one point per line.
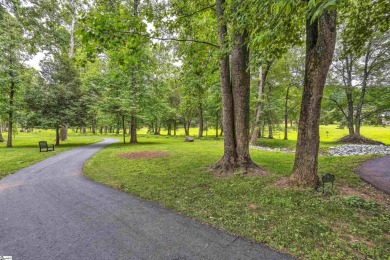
x: 377, y: 173
x: 50, y: 211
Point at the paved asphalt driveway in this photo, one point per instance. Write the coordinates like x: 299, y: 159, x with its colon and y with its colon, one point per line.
x: 377, y: 172
x: 50, y: 211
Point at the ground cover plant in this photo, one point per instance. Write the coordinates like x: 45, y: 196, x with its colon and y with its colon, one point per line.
x: 26, y: 150
x: 351, y: 223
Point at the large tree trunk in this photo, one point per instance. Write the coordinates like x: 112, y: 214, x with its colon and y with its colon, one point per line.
x: 133, y: 130
x: 228, y: 161
x: 133, y: 120
x: 241, y: 92
x: 235, y: 100
x: 320, y: 44
x: 64, y: 133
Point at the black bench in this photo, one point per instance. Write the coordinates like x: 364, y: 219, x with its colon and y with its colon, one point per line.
x: 43, y: 145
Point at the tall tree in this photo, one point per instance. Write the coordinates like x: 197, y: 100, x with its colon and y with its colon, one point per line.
x: 118, y: 29
x: 263, y: 72
x: 60, y: 91
x: 12, y: 53
x: 235, y: 88
x: 320, y: 44
x: 361, y: 58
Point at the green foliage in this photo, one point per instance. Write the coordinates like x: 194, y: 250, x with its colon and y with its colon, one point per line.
x: 362, y: 20
x: 57, y: 100
x: 114, y: 28
x: 358, y: 202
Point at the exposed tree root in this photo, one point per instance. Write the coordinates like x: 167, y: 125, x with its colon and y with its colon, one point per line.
x: 304, y: 182
x: 225, y: 169
x: 358, y: 139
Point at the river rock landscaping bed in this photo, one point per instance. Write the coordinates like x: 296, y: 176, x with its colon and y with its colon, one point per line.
x: 264, y: 148
x: 358, y: 149
x: 342, y: 150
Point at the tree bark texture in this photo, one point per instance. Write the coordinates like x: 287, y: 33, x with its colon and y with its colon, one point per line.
x: 235, y: 88
x: 64, y: 133
x: 320, y: 44
x: 133, y: 130
x: 241, y: 92
x: 229, y: 158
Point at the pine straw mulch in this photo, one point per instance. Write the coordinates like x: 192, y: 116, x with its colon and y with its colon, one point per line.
x: 143, y: 155
x: 358, y: 139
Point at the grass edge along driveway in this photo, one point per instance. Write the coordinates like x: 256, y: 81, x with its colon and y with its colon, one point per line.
x: 352, y: 223
x: 25, y: 150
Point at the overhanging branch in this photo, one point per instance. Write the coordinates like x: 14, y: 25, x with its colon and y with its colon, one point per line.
x: 172, y: 39
x: 339, y: 106
x: 198, y: 11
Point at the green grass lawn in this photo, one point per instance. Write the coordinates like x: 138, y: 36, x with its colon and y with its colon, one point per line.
x: 25, y: 149
x: 352, y: 223
x: 329, y: 134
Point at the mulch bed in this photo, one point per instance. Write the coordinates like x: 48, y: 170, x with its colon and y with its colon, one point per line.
x: 358, y: 139
x: 143, y: 155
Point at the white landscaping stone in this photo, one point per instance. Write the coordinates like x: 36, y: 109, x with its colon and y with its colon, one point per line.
x: 342, y: 150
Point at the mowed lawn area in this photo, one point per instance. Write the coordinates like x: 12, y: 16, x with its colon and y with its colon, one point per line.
x: 25, y: 149
x: 352, y: 222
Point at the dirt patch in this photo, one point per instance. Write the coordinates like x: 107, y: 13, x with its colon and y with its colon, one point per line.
x: 367, y: 192
x: 358, y: 139
x: 255, y: 172
x: 285, y: 183
x: 143, y: 155
x: 252, y: 206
